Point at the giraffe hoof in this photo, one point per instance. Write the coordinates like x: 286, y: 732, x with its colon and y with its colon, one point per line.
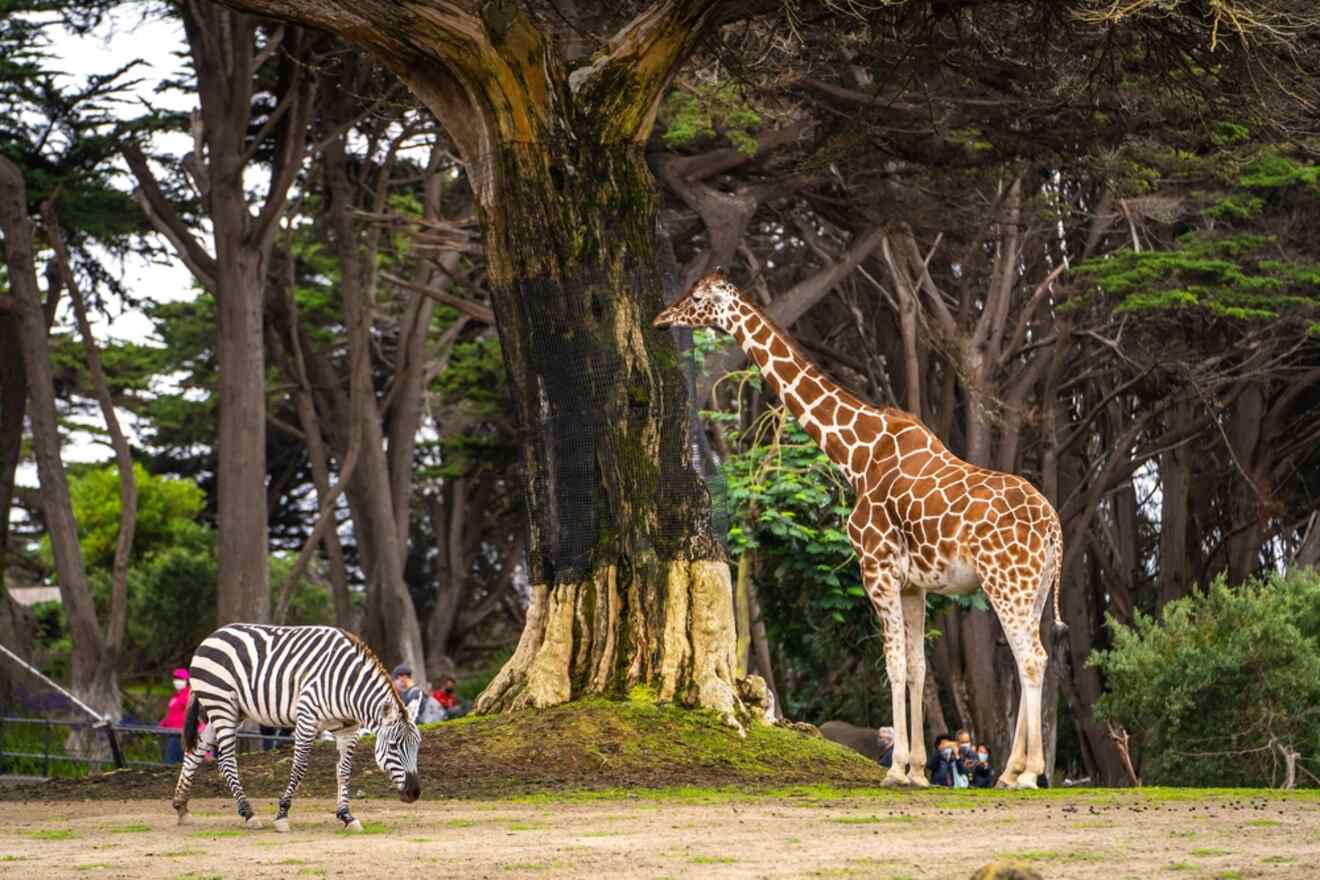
x: 252, y: 823
x: 918, y: 779
x: 355, y: 826
x: 185, y: 818
x: 1026, y: 780
x: 282, y: 826
x: 894, y: 780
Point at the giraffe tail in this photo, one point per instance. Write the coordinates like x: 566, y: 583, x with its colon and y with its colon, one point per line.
x: 1060, y: 642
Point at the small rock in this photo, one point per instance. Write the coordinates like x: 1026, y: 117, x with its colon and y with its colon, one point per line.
x: 1004, y: 870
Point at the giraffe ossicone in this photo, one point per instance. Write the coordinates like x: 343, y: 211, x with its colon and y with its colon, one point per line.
x: 924, y: 521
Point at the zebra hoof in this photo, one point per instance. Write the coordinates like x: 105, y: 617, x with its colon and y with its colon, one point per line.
x: 185, y: 818
x: 252, y: 823
x: 282, y: 826
x: 355, y: 826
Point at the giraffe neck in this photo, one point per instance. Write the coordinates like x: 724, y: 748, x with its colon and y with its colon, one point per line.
x: 824, y: 409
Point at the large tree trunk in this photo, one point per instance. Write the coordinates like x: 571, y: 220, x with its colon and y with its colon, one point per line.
x: 630, y: 585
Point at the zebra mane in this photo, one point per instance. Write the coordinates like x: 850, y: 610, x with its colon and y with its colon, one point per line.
x: 370, y: 656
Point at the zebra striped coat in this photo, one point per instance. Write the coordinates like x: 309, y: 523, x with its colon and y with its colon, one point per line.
x: 310, y: 678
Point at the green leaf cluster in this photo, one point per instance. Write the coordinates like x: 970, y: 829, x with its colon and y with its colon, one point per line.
x: 1220, y: 682
x: 704, y: 113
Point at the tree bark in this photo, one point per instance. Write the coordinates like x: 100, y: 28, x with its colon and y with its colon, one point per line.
x: 1175, y: 566
x: 115, y: 626
x: 94, y: 681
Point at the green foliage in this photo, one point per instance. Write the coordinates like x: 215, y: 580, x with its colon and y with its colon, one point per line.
x: 707, y: 111
x: 1220, y: 682
x: 1240, y: 252
x: 167, y: 510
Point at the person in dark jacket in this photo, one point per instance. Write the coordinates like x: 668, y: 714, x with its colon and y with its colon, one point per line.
x: 983, y: 774
x: 941, y: 763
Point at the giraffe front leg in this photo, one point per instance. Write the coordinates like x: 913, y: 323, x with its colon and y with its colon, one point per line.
x: 883, y: 587
x: 344, y: 772
x: 303, y: 737
x: 1017, y: 759
x: 914, y: 626
x: 191, y: 761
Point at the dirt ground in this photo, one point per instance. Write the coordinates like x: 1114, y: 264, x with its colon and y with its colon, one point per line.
x: 799, y: 833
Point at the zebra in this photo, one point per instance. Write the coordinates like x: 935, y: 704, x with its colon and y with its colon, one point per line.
x: 310, y: 678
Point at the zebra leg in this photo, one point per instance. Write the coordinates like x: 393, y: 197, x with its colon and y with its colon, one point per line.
x: 344, y: 770
x: 191, y: 761
x: 226, y: 745
x: 303, y: 737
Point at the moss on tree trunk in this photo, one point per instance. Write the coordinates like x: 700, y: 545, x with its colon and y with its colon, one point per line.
x: 630, y: 585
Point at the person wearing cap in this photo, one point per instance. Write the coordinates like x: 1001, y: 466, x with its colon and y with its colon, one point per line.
x: 403, y: 683
x: 174, y: 717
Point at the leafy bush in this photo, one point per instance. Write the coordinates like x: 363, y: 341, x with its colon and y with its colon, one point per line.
x: 1222, y: 684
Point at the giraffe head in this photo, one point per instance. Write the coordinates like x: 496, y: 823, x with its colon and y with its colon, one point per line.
x: 712, y: 302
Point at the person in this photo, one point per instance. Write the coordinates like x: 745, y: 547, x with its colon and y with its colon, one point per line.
x: 966, y: 759
x: 403, y: 683
x: 983, y: 774
x: 447, y: 698
x: 175, y: 714
x: 942, y: 762
x: 420, y: 705
x: 886, y: 737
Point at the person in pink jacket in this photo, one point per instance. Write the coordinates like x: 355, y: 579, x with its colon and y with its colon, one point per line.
x: 175, y: 715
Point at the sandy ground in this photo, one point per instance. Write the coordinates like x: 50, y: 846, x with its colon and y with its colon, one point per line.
x: 1102, y: 836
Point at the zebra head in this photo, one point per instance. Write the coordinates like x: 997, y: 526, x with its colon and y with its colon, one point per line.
x: 397, y: 741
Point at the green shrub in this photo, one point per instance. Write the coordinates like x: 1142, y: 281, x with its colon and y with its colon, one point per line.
x: 1222, y: 683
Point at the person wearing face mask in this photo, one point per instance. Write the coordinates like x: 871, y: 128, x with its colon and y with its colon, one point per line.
x: 447, y: 697
x: 942, y: 763
x: 983, y: 774
x: 174, y: 716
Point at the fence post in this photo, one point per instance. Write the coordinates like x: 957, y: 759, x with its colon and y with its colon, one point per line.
x: 46, y: 752
x: 115, y: 753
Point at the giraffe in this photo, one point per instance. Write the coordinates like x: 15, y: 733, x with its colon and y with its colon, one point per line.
x: 924, y: 521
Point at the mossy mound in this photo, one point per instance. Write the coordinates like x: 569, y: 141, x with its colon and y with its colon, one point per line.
x: 580, y: 746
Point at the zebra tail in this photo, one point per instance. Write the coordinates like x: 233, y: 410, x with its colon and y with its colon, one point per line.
x: 190, y: 724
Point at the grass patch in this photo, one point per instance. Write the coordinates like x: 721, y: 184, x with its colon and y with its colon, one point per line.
x: 524, y: 826
x: 1278, y: 860
x: 1183, y: 866
x: 91, y: 867
x: 527, y: 866
x: 1093, y: 823
x: 1229, y: 875
x: 1263, y: 823
x: 52, y: 834
x: 1030, y: 855
x: 875, y: 820
x: 209, y: 835
x: 192, y: 875
x: 181, y: 853
x: 1207, y: 852
x: 461, y: 823
x: 8, y: 858
x: 133, y: 828
x: 712, y: 860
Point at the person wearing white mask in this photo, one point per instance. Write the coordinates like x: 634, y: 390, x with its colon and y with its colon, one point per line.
x: 174, y: 716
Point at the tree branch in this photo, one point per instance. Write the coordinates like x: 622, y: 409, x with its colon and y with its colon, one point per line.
x: 162, y: 215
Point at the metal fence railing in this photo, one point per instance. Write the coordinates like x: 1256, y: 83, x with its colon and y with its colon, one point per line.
x: 33, y: 746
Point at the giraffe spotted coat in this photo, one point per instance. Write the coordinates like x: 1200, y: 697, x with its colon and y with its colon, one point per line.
x: 924, y: 521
